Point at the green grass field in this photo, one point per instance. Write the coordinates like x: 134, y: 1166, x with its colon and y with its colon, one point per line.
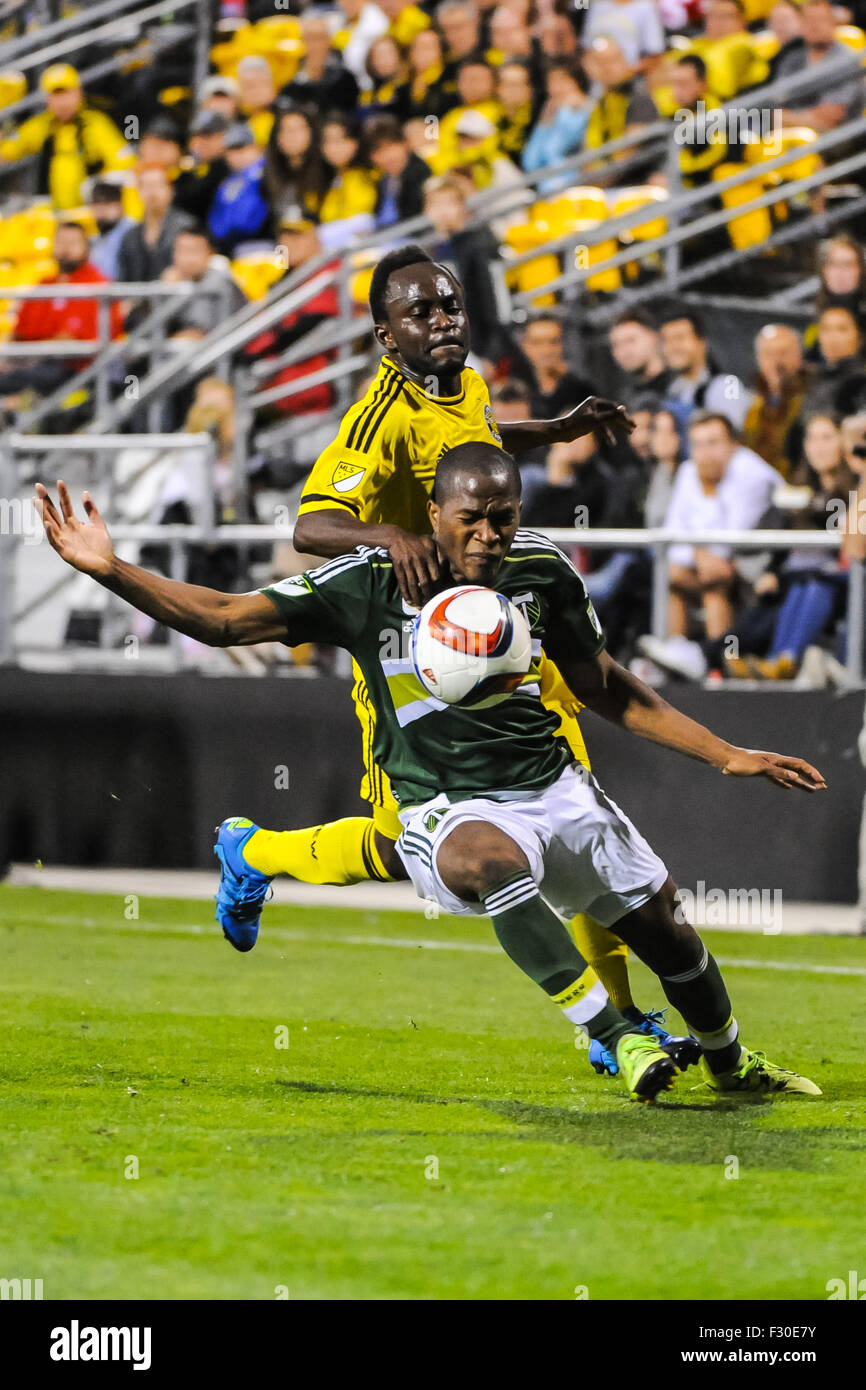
x: 431, y: 1131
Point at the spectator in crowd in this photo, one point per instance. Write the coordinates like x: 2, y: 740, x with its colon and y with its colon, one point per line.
x: 699, y: 153
x: 554, y: 387
x: 561, y: 125
x: 666, y: 455
x: 404, y: 20
x: 257, y: 94
x: 826, y: 103
x: 364, y: 23
x: 853, y: 432
x: 510, y: 401
x: 221, y: 94
x: 458, y: 23
x: 634, y: 25
x: 206, y: 167
x: 56, y: 320
x: 728, y: 49
x: 403, y: 175
x: 299, y: 243
x: 516, y: 98
x: 240, y: 211
x: 511, y: 38
x: 640, y: 440
x: 723, y: 486
x: 423, y: 94
x: 772, y: 426
x: 801, y: 593
x: 785, y: 23
x: 695, y: 383
x: 386, y: 93
x: 348, y: 206
x: 218, y: 298
x: 621, y: 106
x: 838, y: 374
x: 635, y: 345
x: 146, y: 249
x: 478, y: 154
x: 322, y: 82
x: 469, y: 250
x: 112, y: 224
x: 580, y: 489
x: 161, y: 145
x: 296, y: 176
x: 843, y: 277
x: 477, y: 94
x: 72, y: 139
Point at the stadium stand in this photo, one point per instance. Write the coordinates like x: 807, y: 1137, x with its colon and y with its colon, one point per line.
x: 228, y: 176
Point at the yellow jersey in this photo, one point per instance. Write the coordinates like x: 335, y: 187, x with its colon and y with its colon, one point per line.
x: 382, y: 464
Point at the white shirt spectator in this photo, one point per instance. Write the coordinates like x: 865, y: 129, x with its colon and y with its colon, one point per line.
x: 737, y: 504
x: 371, y: 23
x: 635, y: 27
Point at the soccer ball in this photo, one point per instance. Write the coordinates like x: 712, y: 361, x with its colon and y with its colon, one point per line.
x: 471, y: 646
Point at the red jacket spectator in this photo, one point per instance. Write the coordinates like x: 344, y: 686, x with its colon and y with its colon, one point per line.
x: 44, y: 319
x: 301, y: 243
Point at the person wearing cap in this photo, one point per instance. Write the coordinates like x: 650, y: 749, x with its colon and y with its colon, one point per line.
x: 222, y: 94
x: 106, y: 209
x: 240, y: 211
x: 400, y: 192
x: 73, y: 140
x: 205, y: 167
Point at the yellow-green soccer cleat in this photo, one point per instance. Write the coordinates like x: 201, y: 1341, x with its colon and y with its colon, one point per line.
x: 647, y: 1070
x: 756, y: 1076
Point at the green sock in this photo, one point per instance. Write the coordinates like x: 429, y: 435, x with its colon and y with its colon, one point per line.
x: 540, y: 944
x: 702, y: 998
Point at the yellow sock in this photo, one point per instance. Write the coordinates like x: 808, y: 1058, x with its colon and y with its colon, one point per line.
x: 607, y: 954
x: 341, y: 852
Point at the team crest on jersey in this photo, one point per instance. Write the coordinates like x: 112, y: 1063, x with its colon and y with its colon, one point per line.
x: 491, y: 424
x: 431, y: 821
x: 346, y: 476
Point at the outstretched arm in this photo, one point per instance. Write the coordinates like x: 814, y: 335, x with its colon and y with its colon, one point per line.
x: 606, y: 418
x: 617, y: 695
x: 219, y: 620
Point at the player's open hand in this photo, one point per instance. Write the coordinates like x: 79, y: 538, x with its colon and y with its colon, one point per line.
x: 86, y: 545
x: 609, y: 421
x: 416, y: 565
x: 784, y: 771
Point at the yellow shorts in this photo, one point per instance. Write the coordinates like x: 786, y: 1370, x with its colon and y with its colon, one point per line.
x: 375, y: 787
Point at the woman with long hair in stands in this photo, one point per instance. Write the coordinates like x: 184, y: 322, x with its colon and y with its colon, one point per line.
x: 296, y: 176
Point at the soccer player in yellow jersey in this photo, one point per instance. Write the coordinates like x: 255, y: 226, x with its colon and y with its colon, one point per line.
x: 370, y: 487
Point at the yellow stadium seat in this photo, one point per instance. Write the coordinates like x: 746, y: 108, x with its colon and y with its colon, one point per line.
x: 256, y: 274
x: 571, y: 204
x: 623, y: 200
x: 793, y: 137
x: 756, y: 9
x: 851, y: 36
x: 753, y: 227
x: 766, y: 44
x: 13, y: 86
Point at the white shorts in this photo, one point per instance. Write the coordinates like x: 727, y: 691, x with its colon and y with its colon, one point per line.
x: 583, y: 853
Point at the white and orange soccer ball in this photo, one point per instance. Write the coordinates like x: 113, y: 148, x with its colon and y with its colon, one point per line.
x: 471, y: 646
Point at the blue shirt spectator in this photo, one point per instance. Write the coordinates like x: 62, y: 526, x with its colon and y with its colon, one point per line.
x: 240, y: 211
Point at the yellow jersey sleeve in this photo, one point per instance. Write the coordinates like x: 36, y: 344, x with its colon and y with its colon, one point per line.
x: 28, y: 138
x: 352, y: 472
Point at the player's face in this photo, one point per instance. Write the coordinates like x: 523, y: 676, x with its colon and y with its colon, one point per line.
x: 475, y: 525
x: 426, y: 324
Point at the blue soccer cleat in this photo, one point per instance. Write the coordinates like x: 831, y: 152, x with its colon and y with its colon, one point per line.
x: 243, y: 891
x: 601, y: 1060
x: 686, y: 1052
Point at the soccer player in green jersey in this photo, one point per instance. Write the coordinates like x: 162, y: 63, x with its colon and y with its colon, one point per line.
x: 497, y: 816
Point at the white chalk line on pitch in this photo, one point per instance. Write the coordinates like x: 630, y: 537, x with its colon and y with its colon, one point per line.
x: 406, y: 943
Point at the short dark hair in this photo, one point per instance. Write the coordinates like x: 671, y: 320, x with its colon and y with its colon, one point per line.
x: 196, y: 229
x: 690, y: 315
x: 475, y: 60
x: 397, y: 259
x: 641, y: 316
x: 510, y: 392
x: 69, y: 225
x: 694, y: 60
x: 710, y: 417
x: 474, y: 458
x: 383, y: 130
x: 544, y: 318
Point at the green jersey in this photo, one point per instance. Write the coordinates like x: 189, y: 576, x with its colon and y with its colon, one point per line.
x: 425, y: 746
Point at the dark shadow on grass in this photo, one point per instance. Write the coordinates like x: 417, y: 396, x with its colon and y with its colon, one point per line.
x: 700, y: 1131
